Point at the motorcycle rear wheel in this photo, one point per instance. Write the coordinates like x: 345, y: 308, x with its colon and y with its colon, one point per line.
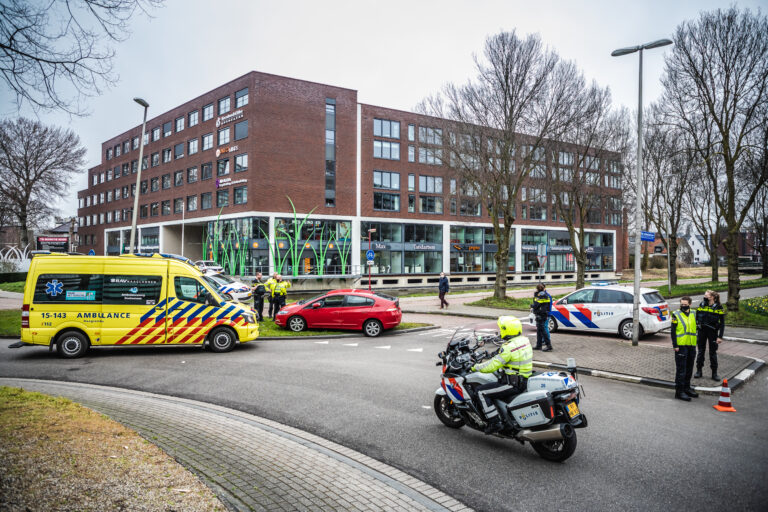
x: 447, y: 413
x: 556, y: 451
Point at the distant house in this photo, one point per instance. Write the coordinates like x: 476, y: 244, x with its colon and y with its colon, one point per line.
x: 699, y: 251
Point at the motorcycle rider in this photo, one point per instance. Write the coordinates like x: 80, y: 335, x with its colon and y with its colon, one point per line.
x: 515, y: 357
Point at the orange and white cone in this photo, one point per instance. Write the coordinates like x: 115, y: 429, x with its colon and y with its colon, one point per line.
x: 724, y: 404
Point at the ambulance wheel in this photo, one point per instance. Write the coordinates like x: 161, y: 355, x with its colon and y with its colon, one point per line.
x: 625, y: 329
x: 447, y: 412
x: 297, y: 324
x: 552, y: 325
x: 556, y: 451
x: 221, y: 340
x: 71, y: 344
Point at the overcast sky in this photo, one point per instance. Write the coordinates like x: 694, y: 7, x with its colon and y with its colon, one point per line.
x: 393, y: 53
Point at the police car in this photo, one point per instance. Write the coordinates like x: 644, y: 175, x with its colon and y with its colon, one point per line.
x: 229, y: 286
x: 608, y: 308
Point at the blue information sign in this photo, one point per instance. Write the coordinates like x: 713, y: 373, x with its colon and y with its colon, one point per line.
x: 647, y: 236
x: 91, y: 253
x: 369, y: 255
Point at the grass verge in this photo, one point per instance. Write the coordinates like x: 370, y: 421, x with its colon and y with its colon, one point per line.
x: 507, y: 303
x: 10, y: 322
x: 699, y: 288
x: 16, y: 286
x: 58, y: 455
x: 744, y: 318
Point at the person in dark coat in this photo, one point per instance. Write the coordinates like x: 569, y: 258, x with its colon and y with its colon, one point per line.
x: 259, y: 290
x: 443, y: 287
x: 541, y: 306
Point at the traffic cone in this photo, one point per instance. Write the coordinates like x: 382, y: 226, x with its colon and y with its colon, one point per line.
x: 724, y: 404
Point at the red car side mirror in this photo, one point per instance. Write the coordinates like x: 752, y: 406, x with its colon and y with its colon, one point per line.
x: 316, y: 305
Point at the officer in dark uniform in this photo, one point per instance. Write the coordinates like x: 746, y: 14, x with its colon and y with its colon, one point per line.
x: 710, y: 320
x: 259, y: 290
x: 542, y: 305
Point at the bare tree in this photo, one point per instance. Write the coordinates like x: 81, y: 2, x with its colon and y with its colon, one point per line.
x: 757, y: 225
x: 499, y: 125
x: 716, y: 89
x: 577, y: 186
x: 53, y: 54
x: 37, y: 163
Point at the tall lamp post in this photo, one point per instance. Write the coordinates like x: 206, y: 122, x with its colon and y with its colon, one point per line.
x: 138, y: 175
x: 638, y: 216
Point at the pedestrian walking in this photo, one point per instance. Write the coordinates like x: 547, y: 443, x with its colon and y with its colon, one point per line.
x: 259, y: 290
x: 278, y: 295
x: 710, y: 318
x: 443, y: 287
x: 270, y: 289
x: 542, y: 305
x: 683, y: 334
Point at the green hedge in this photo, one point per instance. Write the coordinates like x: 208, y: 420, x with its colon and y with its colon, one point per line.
x: 9, y: 277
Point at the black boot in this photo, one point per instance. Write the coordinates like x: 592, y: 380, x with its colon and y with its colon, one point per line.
x: 494, y: 426
x: 715, y: 376
x: 690, y: 392
x: 547, y: 349
x: 681, y: 395
x: 697, y: 375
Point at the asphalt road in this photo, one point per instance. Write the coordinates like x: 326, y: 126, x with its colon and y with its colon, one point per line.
x: 642, y: 450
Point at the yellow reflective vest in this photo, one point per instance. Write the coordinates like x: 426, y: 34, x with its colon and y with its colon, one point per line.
x: 281, y: 288
x: 685, y: 328
x: 516, y: 358
x: 270, y: 286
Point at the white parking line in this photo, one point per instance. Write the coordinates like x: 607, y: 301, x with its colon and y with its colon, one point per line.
x: 386, y: 347
x: 321, y: 342
x: 415, y: 350
x: 350, y: 344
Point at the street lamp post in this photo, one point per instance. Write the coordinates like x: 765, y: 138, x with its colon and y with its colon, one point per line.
x: 138, y: 174
x: 638, y: 216
x: 183, y: 209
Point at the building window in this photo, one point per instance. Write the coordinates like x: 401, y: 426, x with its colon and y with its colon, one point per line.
x: 241, y: 195
x: 224, y: 106
x: 145, y: 163
x: 143, y: 187
x: 592, y: 178
x: 191, y: 203
x: 143, y: 210
x: 594, y: 217
x: 166, y: 207
x: 101, y: 197
x: 154, y: 209
x: 101, y: 177
x: 192, y: 146
x: 167, y: 129
x: 155, y: 185
x: 411, y: 132
x: 535, y: 212
x: 224, y: 136
x: 179, y: 124
x: 109, y: 173
x: 431, y: 184
x: 614, y: 219
x: 453, y: 206
x: 126, y: 168
x: 192, y: 118
x: 109, y: 216
x: 411, y: 182
x: 222, y: 167
x: 386, y: 128
x: 387, y: 180
x: 205, y: 201
x: 125, y: 191
x: 155, y: 134
x: 614, y: 203
x: 178, y: 150
x: 565, y: 158
x: 117, y: 216
x: 430, y: 204
x: 166, y: 155
x: 386, y: 202
x: 241, y: 130
x: 155, y: 159
x: 241, y: 163
x: 135, y: 142
x: 222, y: 198
x: 469, y: 208
x: 146, y: 139
x: 411, y: 203
x: 612, y: 181
x: 241, y: 98
x: 330, y: 152
x: 206, y: 171
x: 432, y: 136
x: 178, y: 178
x: 430, y: 156
x: 411, y: 153
x: 538, y: 171
x: 534, y: 195
x: 126, y: 147
x: 386, y: 150
x: 207, y: 141
x: 109, y: 154
x: 208, y: 112
x: 178, y: 205
x: 109, y: 196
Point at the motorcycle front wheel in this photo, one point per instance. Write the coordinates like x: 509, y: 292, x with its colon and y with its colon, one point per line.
x: 447, y: 413
x: 556, y: 451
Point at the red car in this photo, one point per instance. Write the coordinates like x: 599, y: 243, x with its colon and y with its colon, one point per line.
x: 372, y: 312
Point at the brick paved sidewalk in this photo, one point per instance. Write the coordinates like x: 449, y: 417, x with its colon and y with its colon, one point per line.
x: 253, y: 463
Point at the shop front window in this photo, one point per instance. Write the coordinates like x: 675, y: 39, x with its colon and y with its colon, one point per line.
x: 423, y: 262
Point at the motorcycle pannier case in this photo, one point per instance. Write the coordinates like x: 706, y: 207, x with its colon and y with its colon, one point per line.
x: 532, y: 409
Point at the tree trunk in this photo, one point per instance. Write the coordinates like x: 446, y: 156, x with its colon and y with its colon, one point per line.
x: 502, y: 259
x: 672, y: 255
x: 644, y: 260
x: 764, y: 257
x: 581, y: 267
x: 23, y: 227
x: 732, y: 251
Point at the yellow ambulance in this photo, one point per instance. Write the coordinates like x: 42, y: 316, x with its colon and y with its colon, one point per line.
x: 75, y: 302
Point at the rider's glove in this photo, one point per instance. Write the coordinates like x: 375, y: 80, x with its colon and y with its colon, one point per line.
x: 472, y: 369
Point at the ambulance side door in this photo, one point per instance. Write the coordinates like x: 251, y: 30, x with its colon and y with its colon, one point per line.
x: 134, y: 305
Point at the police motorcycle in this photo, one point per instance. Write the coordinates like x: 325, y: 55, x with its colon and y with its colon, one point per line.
x: 546, y: 414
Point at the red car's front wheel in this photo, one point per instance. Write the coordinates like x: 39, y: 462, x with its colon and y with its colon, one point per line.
x: 297, y: 324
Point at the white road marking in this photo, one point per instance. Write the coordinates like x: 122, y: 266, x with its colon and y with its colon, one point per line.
x: 321, y: 342
x: 426, y: 406
x: 386, y: 347
x: 350, y: 344
x: 415, y: 350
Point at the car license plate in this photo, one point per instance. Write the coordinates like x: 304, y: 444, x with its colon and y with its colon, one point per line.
x: 573, y: 409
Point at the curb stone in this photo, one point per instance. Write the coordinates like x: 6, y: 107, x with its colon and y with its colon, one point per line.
x: 341, y: 336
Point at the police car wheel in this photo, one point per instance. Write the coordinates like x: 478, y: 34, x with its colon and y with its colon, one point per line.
x: 372, y: 328
x: 71, y: 344
x: 297, y: 324
x: 625, y: 330
x: 221, y: 340
x: 552, y: 325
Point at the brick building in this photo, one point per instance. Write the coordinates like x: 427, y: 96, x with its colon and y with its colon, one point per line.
x: 306, y: 166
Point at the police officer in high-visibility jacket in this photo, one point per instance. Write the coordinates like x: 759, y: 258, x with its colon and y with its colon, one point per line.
x: 710, y: 317
x: 270, y: 289
x: 278, y: 295
x: 683, y: 333
x: 516, y: 359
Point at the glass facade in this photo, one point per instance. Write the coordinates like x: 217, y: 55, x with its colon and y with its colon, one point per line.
x: 403, y: 248
x: 322, y: 247
x: 473, y: 249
